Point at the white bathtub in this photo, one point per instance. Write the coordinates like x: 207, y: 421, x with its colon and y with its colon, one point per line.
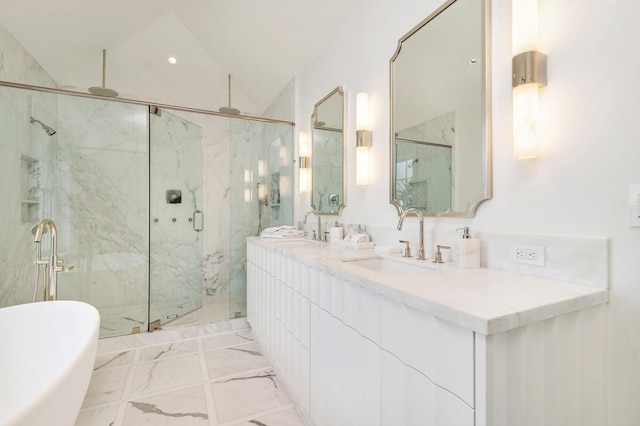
x: 47, y: 352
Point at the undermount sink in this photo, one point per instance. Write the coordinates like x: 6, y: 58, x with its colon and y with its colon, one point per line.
x: 388, y: 266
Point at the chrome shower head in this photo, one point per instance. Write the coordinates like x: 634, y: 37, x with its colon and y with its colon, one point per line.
x: 103, y: 91
x: 50, y: 131
x: 229, y: 110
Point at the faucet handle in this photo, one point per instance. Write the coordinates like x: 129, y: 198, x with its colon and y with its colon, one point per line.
x: 438, y: 254
x: 407, y: 249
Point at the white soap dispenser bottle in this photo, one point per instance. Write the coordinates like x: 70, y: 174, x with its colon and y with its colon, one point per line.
x: 467, y: 253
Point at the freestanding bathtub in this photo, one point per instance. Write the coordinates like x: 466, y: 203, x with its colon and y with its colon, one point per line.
x: 47, y: 352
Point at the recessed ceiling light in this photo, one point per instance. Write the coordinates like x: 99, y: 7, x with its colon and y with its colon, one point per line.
x: 172, y: 60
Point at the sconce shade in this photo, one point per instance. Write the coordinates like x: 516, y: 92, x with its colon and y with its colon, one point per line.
x: 362, y: 165
x: 363, y: 138
x: 305, y: 180
x: 529, y: 72
x: 525, y: 111
x: 304, y: 163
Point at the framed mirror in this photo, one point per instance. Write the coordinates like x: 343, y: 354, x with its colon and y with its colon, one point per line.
x: 328, y: 167
x: 440, y: 159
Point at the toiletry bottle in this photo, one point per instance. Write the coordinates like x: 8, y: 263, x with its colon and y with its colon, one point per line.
x: 467, y: 253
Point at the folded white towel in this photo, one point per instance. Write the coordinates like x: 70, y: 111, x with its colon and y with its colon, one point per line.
x: 276, y: 229
x: 357, y: 238
x: 282, y: 232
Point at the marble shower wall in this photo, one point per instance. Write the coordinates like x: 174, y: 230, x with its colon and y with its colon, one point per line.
x: 101, y: 208
x: 21, y: 143
x: 176, y: 228
x: 25, y: 187
x: 252, y: 142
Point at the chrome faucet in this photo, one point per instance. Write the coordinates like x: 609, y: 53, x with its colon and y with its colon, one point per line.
x: 306, y: 215
x: 52, y: 266
x: 419, y: 214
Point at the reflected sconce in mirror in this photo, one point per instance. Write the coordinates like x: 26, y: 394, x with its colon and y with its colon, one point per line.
x: 529, y: 74
x: 304, y: 163
x: 363, y: 139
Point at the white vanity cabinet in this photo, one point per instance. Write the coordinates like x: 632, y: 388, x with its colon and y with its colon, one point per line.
x: 351, y: 355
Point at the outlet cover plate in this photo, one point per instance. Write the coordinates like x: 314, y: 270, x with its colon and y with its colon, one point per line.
x: 527, y: 254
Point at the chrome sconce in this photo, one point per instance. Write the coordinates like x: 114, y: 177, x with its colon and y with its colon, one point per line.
x: 363, y: 139
x: 529, y: 73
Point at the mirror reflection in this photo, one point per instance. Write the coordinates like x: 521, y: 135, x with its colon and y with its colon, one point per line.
x: 328, y: 189
x: 440, y: 148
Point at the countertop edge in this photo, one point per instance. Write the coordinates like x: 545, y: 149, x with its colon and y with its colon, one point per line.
x: 332, y: 264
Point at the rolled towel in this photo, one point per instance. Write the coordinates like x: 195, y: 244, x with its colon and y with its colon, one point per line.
x: 357, y: 238
x: 360, y: 238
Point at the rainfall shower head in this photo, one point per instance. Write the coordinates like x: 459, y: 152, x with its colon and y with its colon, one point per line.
x: 229, y: 110
x: 103, y: 91
x: 50, y: 131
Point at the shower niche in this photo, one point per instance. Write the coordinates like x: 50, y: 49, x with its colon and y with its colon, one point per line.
x: 30, y: 190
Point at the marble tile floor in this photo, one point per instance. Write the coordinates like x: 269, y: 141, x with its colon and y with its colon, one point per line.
x: 205, y: 375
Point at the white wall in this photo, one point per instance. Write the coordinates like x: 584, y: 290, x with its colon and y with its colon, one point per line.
x: 578, y: 186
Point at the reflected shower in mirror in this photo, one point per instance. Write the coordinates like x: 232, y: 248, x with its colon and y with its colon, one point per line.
x: 328, y: 191
x: 440, y: 145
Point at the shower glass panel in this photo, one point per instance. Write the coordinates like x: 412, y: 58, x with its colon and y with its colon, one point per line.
x: 109, y: 170
x: 261, y: 193
x: 101, y: 208
x: 177, y: 218
x: 90, y: 178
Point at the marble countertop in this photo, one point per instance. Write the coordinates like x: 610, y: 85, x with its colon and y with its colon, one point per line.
x: 483, y: 300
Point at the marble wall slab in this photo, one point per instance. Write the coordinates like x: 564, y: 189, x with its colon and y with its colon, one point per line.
x: 101, y: 207
x: 177, y: 218
x: 18, y: 139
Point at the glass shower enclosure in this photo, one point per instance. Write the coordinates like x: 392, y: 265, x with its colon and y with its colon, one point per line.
x: 142, y: 198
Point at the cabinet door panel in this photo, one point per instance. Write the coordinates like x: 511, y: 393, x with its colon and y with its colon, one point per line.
x: 441, y: 351
x: 429, y: 405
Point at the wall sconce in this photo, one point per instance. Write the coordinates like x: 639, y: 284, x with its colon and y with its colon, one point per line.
x: 529, y: 74
x: 304, y: 163
x: 363, y: 139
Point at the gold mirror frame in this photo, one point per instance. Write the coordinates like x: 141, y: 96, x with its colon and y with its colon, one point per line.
x: 485, y: 134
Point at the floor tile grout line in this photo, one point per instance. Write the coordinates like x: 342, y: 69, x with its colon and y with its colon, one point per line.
x: 241, y: 374
x: 163, y: 392
x: 206, y: 386
x: 177, y: 355
x: 126, y: 391
x: 168, y: 342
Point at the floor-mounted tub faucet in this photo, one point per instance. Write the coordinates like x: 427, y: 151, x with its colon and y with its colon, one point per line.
x: 52, y: 266
x: 306, y: 215
x: 421, y: 217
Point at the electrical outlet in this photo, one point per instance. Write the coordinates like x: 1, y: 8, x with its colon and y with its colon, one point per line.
x: 529, y: 255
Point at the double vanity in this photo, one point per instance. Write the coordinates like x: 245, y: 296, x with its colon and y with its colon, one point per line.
x: 363, y: 338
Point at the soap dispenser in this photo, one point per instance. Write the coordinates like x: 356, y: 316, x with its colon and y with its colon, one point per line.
x: 467, y: 254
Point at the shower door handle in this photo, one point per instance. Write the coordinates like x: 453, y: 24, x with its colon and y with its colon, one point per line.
x: 198, y: 220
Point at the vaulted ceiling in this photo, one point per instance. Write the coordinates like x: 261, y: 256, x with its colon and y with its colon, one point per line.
x: 263, y: 44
